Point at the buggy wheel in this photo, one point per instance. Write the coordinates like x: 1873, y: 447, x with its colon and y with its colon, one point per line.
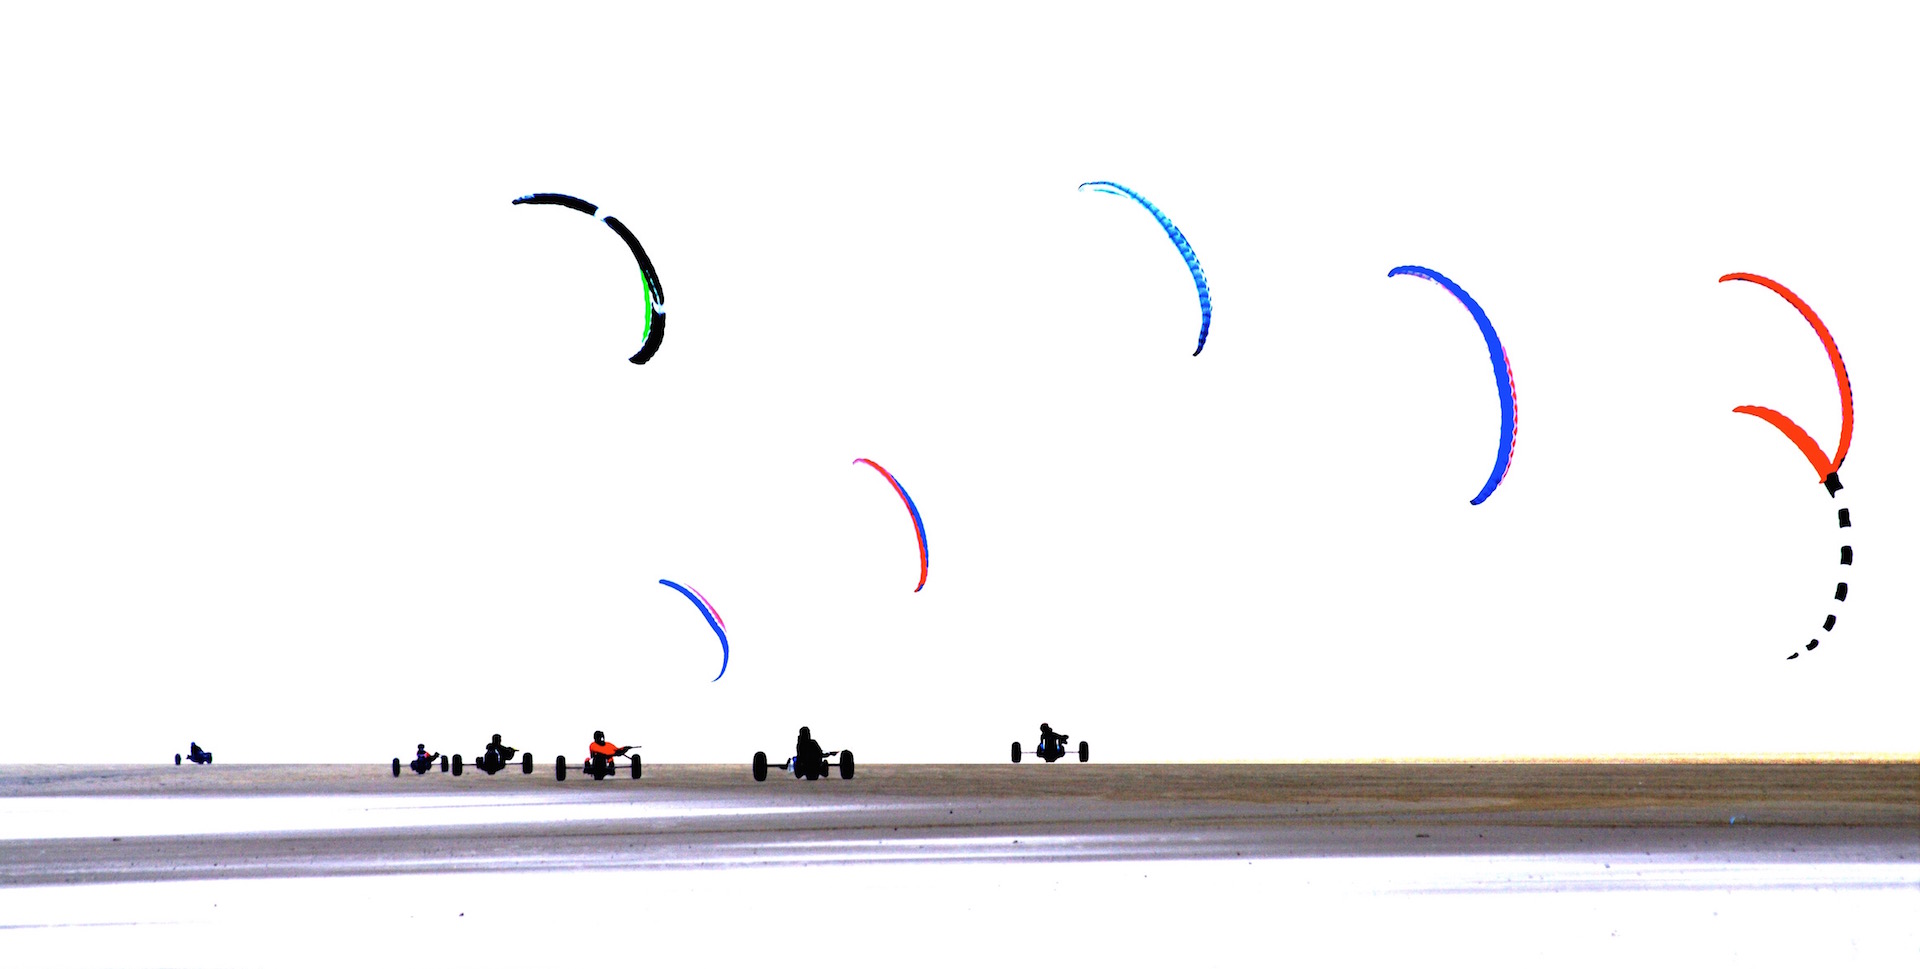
x: 1016, y: 751
x: 560, y: 768
x: 526, y: 762
x: 636, y: 767
x: 396, y: 767
x: 443, y: 763
x: 846, y: 765
x: 759, y: 765
x: 1083, y: 751
x: 176, y: 760
x: 456, y: 765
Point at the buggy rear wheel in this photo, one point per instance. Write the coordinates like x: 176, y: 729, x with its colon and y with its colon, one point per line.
x: 759, y: 765
x: 1083, y: 751
x: 396, y: 767
x: 846, y: 765
x: 457, y: 765
x: 560, y: 768
x: 176, y: 760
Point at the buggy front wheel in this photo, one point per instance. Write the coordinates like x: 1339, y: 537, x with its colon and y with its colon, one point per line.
x: 526, y: 762
x: 560, y: 768
x: 1083, y: 751
x: 846, y: 765
x: 396, y: 767
x: 759, y: 765
x: 1016, y: 751
x: 457, y: 765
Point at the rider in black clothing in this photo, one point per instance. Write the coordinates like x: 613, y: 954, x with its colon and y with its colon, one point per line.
x: 809, y: 760
x: 1050, y: 739
x: 498, y: 752
x: 422, y: 760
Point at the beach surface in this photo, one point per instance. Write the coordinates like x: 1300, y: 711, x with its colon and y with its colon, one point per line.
x: 103, y: 824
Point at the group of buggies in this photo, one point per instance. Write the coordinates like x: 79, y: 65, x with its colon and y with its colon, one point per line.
x: 809, y: 761
x: 601, y: 761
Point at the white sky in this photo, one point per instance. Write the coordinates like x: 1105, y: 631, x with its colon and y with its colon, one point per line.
x: 315, y: 447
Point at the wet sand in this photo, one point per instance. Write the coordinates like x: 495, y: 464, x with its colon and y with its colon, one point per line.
x: 715, y: 816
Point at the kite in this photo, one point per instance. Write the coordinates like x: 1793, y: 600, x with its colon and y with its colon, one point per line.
x: 654, y: 316
x: 919, y: 529
x: 1828, y: 469
x: 1502, y: 376
x: 711, y: 615
x: 1179, y: 242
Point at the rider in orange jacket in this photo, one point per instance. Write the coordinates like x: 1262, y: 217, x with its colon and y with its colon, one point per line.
x: 600, y: 751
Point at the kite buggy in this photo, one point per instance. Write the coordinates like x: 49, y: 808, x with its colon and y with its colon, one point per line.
x: 195, y: 754
x: 496, y: 759
x: 600, y: 763
x: 422, y: 761
x: 808, y: 761
x: 1053, y: 746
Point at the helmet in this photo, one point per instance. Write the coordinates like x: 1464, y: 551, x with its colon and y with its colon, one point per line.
x: 421, y: 746
x: 805, y: 734
x: 1045, y: 727
x: 496, y: 738
x: 599, y: 736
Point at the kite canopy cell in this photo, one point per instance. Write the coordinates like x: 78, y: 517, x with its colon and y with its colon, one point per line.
x: 919, y: 528
x: 1502, y: 376
x: 1179, y: 242
x: 654, y: 298
x: 1827, y: 468
x: 712, y: 616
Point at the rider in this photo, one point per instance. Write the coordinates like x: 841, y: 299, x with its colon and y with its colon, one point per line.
x: 1050, y: 739
x: 498, y: 752
x: 423, y: 760
x: 600, y: 752
x: 198, y: 756
x: 808, y: 758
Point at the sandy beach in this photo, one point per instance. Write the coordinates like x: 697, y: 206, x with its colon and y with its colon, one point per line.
x: 259, y: 821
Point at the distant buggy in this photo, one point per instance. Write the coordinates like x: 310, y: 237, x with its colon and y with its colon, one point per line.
x: 1049, y: 752
x: 598, y: 766
x: 842, y: 759
x: 420, y: 766
x: 493, y: 763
